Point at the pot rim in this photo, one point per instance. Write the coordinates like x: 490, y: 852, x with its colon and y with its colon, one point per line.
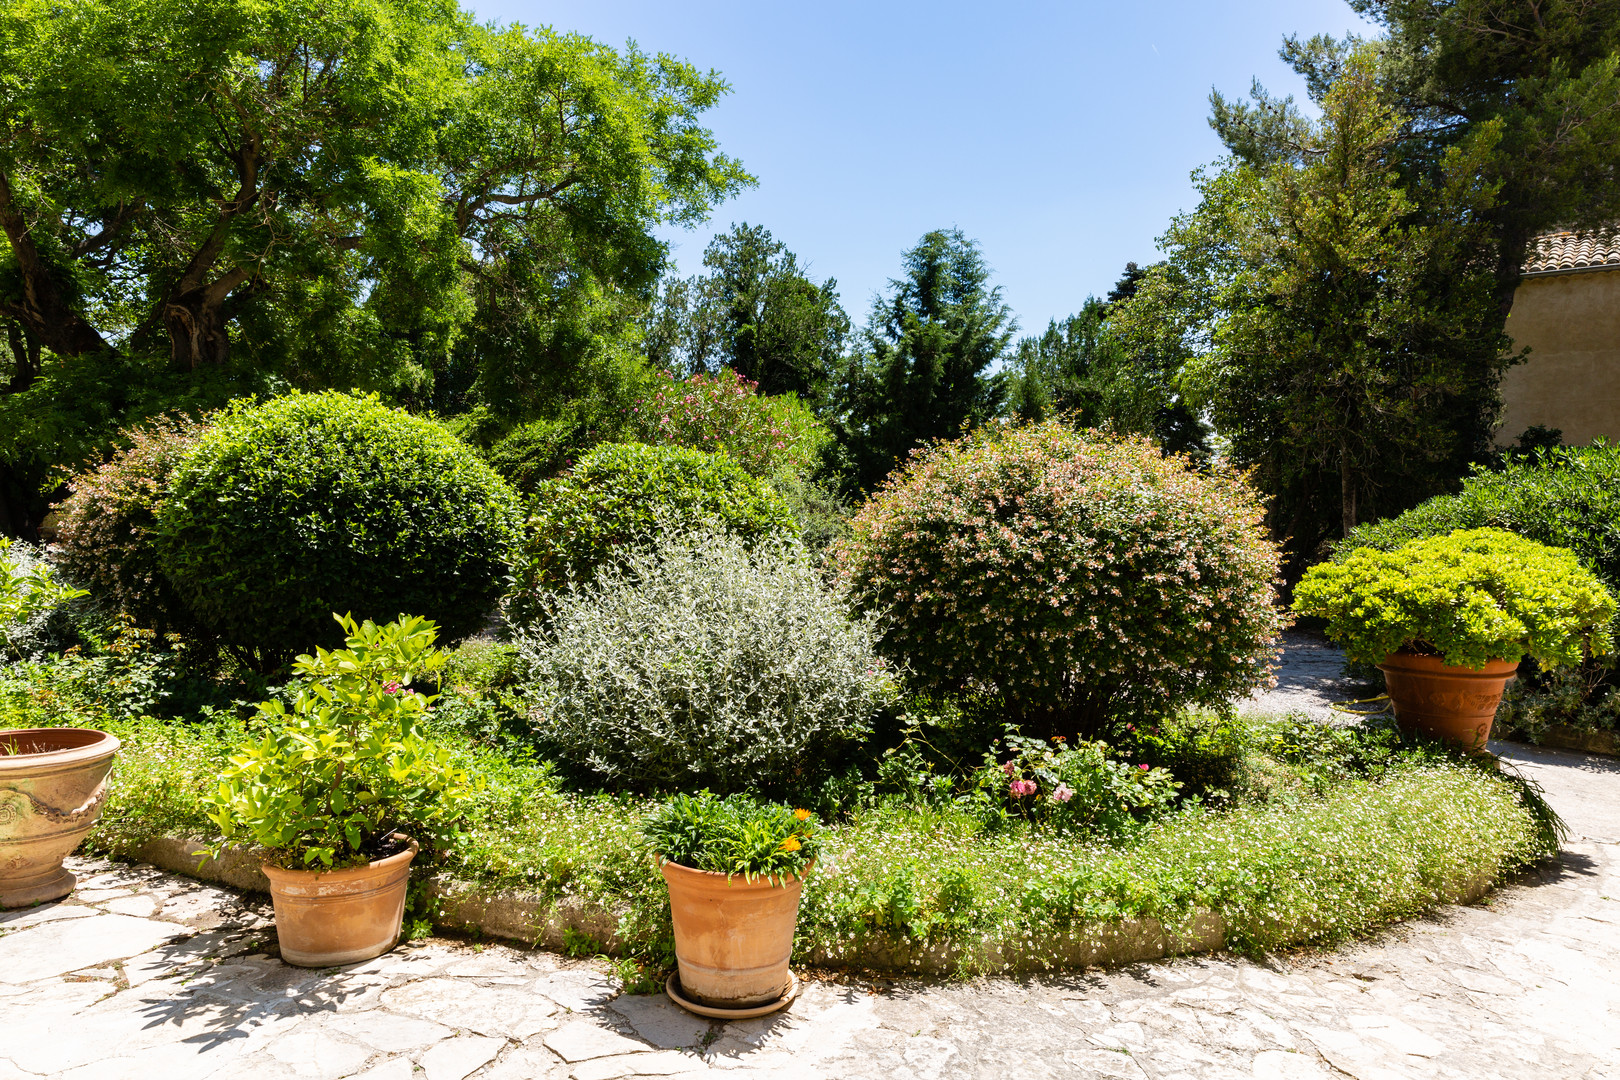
x: 1405, y: 658
x: 272, y: 871
x: 734, y: 880
x: 99, y: 746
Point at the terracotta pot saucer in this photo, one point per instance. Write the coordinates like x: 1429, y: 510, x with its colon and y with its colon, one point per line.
x: 672, y: 987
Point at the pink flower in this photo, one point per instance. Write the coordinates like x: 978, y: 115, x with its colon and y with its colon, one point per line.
x: 1144, y: 768
x: 1020, y: 788
x: 1063, y: 793
x: 1009, y: 767
x: 391, y: 688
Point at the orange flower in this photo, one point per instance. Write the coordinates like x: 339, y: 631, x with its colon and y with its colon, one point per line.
x: 802, y: 815
x: 790, y: 844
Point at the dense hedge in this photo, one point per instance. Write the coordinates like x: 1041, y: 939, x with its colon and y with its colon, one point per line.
x: 1080, y: 576
x: 621, y: 496
x: 311, y: 504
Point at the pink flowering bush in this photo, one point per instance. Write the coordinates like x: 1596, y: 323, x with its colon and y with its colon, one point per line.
x: 1084, y: 578
x: 767, y: 436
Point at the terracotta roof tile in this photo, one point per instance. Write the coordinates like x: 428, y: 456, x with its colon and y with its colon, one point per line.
x: 1561, y: 252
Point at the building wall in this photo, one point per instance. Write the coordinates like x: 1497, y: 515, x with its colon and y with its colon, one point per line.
x: 1571, y: 322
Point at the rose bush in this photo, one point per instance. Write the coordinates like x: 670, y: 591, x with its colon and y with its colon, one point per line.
x: 1082, y: 577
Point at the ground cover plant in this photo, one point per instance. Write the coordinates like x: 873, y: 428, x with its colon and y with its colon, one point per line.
x: 1327, y: 833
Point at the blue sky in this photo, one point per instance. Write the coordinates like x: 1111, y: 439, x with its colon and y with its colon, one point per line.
x: 1060, y: 136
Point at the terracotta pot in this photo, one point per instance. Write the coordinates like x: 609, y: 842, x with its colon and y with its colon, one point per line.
x: 733, y: 937
x: 1434, y: 698
x: 52, y: 784
x: 328, y: 918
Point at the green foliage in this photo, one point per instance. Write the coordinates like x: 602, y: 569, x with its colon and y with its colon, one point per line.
x: 1336, y: 308
x: 1088, y: 371
x: 307, y: 503
x: 733, y: 835
x: 756, y: 313
x: 724, y: 413
x: 1070, y: 786
x: 821, y: 515
x: 350, y: 765
x: 1472, y: 596
x: 921, y: 374
x: 425, y: 184
x: 1081, y: 577
x: 703, y: 663
x: 108, y: 524
x: 620, y: 497
x: 28, y: 589
x: 1207, y: 752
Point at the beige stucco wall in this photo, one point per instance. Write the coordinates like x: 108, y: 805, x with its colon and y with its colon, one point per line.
x: 1571, y: 322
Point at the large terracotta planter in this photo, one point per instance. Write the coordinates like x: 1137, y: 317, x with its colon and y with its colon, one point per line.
x: 733, y: 937
x: 52, y: 784
x: 333, y: 917
x: 1434, y: 698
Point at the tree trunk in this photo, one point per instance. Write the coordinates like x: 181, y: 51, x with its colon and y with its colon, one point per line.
x: 197, y: 331
x: 40, y: 304
x: 25, y: 354
x: 1347, y: 491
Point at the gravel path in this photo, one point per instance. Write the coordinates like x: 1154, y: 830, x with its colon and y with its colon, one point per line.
x: 147, y: 976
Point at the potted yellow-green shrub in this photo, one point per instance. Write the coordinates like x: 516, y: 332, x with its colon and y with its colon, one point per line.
x: 735, y: 868
x: 337, y: 792
x: 1448, y: 619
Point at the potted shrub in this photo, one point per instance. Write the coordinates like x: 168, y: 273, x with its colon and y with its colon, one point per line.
x: 53, y: 781
x: 338, y: 791
x: 735, y: 868
x: 1448, y: 619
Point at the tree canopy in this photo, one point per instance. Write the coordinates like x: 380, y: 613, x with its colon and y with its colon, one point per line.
x: 923, y: 370
x: 361, y: 193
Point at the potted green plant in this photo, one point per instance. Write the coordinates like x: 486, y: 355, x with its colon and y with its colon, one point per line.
x: 735, y: 868
x: 337, y: 792
x: 1449, y: 618
x: 53, y: 781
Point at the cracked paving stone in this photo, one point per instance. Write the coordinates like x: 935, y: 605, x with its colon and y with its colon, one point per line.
x: 458, y: 1058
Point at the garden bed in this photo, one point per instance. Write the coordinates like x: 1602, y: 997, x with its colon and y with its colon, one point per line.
x: 910, y: 887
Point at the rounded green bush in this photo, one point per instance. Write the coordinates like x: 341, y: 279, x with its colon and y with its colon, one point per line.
x: 622, y: 496
x: 311, y: 504
x: 1473, y: 596
x: 1083, y: 578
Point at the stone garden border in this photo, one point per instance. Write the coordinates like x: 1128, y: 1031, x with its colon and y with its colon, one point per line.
x: 528, y: 920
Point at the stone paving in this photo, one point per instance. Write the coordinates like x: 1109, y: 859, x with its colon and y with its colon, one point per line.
x: 143, y: 974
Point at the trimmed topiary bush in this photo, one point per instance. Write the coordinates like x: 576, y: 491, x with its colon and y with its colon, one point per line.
x: 622, y: 496
x: 313, y: 503
x: 107, y: 526
x: 1083, y: 578
x: 1470, y: 597
x: 703, y: 663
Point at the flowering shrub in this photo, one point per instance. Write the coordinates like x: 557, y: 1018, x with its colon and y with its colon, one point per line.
x: 702, y: 663
x: 1080, y: 576
x: 312, y: 503
x: 107, y: 528
x: 1473, y: 596
x: 1074, y: 786
x: 724, y: 413
x: 733, y: 835
x: 623, y: 496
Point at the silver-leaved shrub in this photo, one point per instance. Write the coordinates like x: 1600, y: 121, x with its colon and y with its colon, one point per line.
x: 702, y: 662
x: 1081, y: 577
